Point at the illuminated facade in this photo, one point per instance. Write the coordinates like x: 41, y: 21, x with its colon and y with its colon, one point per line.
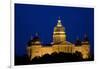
x: 35, y: 48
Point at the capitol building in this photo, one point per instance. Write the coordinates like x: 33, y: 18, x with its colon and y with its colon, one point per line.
x: 59, y: 44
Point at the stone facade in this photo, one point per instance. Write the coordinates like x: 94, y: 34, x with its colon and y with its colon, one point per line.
x: 35, y: 48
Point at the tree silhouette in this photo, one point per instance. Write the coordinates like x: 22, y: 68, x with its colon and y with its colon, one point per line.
x: 53, y: 58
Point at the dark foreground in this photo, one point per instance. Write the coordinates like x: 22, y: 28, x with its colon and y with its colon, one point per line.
x: 53, y: 58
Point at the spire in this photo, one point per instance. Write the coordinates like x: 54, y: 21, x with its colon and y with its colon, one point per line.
x: 36, y: 38
x: 85, y: 38
x: 77, y: 39
x: 31, y: 37
x: 78, y: 42
x: 36, y: 34
x: 59, y: 22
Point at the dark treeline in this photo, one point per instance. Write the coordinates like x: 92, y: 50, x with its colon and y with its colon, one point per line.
x: 53, y: 58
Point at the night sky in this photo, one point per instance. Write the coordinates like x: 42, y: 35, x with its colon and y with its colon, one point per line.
x: 30, y: 18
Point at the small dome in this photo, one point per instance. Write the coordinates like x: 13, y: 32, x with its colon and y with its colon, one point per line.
x: 78, y: 42
x: 85, y: 38
x: 34, y: 41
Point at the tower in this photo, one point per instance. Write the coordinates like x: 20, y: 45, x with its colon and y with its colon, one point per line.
x: 86, y: 47
x: 59, y: 35
x: 34, y: 46
x: 78, y: 42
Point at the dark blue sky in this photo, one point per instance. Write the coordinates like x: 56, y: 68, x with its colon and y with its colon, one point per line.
x: 30, y: 19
